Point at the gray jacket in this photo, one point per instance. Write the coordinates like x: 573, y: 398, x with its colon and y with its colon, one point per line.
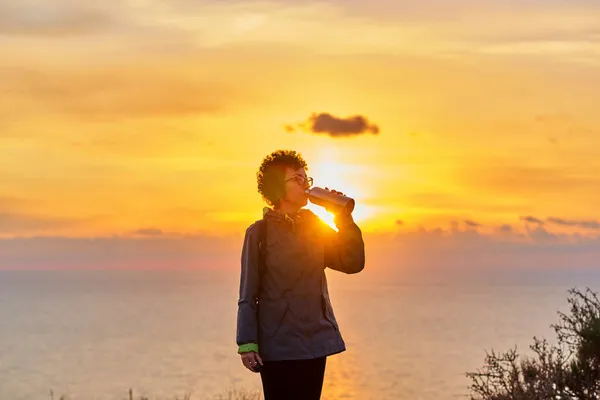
x: 284, y: 308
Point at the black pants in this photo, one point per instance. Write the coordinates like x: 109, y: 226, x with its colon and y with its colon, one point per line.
x: 294, y: 379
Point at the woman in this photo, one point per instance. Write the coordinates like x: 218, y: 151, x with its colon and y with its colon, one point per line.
x: 286, y: 327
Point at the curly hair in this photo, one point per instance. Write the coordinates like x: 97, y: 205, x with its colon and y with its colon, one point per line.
x: 271, y: 174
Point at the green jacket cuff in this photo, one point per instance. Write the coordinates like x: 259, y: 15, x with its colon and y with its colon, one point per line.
x: 248, y: 347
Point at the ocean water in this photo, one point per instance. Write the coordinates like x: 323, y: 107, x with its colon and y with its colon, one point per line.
x: 96, y: 334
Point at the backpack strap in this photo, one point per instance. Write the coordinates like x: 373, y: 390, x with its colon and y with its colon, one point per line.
x: 262, y: 245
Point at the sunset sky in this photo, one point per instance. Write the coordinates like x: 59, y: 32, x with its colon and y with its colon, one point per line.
x: 148, y: 119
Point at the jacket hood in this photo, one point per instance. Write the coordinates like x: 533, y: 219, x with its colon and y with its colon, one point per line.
x: 291, y: 218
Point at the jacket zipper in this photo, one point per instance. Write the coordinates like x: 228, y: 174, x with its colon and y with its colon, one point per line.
x: 306, y: 318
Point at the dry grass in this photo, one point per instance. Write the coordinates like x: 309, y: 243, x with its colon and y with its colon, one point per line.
x: 235, y: 394
x: 232, y: 394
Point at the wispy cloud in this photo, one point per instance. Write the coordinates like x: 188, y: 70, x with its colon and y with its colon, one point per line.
x: 115, y: 92
x: 55, y: 252
x: 585, y: 224
x: 21, y: 216
x: 54, y: 18
x: 13, y: 223
x: 149, y: 232
x: 441, y: 249
x: 555, y: 119
x: 504, y: 229
x: 14, y: 203
x: 515, y: 179
x: 434, y: 27
x: 532, y: 220
x: 541, y: 234
x: 134, y: 64
x: 472, y: 224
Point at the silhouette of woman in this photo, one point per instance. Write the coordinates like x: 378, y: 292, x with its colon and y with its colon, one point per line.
x: 286, y: 327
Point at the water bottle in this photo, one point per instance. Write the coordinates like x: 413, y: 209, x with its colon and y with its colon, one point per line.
x: 336, y: 203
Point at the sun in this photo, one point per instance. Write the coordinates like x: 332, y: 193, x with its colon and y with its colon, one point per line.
x: 338, y: 176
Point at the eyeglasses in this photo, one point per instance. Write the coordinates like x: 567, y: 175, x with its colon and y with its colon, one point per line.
x: 301, y: 180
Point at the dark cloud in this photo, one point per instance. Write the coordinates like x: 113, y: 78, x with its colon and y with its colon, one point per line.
x: 148, y: 232
x: 325, y: 123
x: 532, y: 220
x: 472, y: 224
x: 586, y: 224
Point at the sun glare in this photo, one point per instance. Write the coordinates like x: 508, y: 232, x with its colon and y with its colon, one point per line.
x: 359, y: 214
x: 335, y: 175
x: 327, y: 217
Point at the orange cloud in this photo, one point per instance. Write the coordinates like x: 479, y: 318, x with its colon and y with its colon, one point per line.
x: 524, y: 179
x: 115, y: 92
x: 14, y: 223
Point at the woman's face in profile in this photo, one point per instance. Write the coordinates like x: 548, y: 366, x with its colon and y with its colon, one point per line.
x: 296, y: 183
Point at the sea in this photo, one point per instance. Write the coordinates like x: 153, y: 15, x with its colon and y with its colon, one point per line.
x: 165, y: 334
